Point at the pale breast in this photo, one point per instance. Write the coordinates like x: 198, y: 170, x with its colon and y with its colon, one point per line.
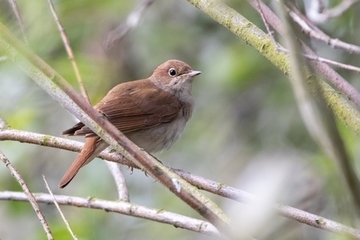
x: 163, y: 136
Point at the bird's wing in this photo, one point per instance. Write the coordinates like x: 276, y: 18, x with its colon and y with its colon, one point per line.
x: 129, y: 109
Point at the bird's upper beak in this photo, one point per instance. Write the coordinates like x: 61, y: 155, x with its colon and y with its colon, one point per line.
x: 194, y: 73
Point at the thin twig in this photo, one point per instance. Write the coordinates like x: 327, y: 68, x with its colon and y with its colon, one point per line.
x: 126, y: 208
x: 331, y: 62
x: 131, y: 22
x: 28, y: 195
x: 323, y: 60
x: 69, y: 51
x: 59, y: 210
x: 271, y: 33
x: 19, y: 19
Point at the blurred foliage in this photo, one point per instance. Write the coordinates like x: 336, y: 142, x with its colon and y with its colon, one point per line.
x: 246, y: 128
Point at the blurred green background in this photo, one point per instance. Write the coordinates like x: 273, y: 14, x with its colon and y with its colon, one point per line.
x: 246, y: 130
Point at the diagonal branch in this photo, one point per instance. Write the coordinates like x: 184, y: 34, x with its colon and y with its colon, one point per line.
x: 69, y: 51
x: 19, y: 19
x: 313, y: 31
x: 59, y: 210
x: 28, y: 195
x: 338, y: 104
x: 252, y: 35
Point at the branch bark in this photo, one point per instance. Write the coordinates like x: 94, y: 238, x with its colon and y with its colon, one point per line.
x: 126, y: 208
x: 217, y: 188
x: 262, y: 42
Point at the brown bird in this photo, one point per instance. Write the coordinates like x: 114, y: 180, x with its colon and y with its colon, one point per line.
x: 151, y: 112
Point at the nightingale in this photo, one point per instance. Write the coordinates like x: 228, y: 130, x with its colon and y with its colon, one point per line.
x: 151, y: 112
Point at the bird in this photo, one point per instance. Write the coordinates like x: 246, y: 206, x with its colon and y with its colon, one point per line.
x: 151, y: 112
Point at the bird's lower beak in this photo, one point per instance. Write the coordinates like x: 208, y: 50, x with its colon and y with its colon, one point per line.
x: 194, y: 73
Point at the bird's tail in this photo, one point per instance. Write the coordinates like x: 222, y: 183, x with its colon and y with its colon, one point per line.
x: 93, y: 146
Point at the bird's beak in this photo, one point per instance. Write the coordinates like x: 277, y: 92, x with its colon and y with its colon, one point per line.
x: 194, y: 73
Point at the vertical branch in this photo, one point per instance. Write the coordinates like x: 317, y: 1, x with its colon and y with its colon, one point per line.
x: 119, y: 180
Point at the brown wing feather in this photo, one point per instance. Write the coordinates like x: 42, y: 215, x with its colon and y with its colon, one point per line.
x: 72, y: 131
x: 128, y: 109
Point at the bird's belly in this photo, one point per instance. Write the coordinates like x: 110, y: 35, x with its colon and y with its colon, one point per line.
x: 160, y: 137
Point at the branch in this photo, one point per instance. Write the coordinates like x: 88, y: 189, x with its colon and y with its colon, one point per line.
x: 120, y: 182
x: 59, y: 210
x: 126, y: 208
x: 338, y: 104
x: 69, y: 51
x: 253, y: 36
x: 19, y: 19
x: 313, y: 31
x: 60, y: 143
x: 235, y: 194
x: 28, y: 195
x: 217, y: 188
x: 319, y: 123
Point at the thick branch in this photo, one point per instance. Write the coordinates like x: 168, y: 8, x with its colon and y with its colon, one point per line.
x: 255, y: 37
x: 337, y: 103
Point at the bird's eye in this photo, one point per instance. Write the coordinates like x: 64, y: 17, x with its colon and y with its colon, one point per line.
x: 172, y: 72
